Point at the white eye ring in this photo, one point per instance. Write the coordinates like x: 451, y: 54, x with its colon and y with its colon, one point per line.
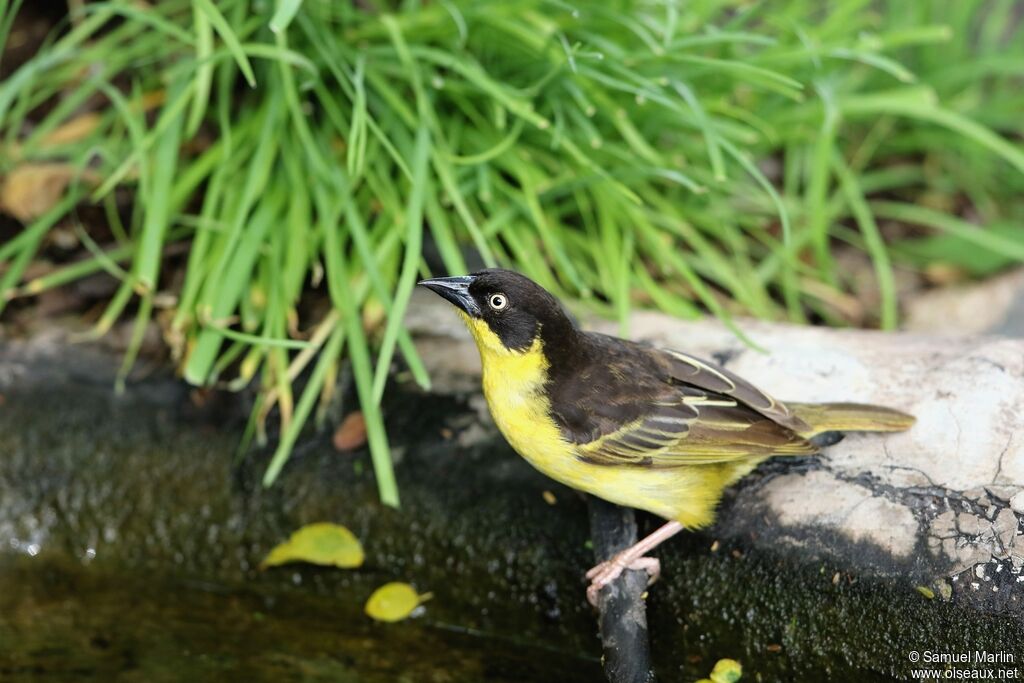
x: 497, y: 301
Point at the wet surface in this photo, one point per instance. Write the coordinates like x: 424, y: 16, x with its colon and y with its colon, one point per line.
x: 813, y: 622
x: 128, y: 542
x: 61, y: 623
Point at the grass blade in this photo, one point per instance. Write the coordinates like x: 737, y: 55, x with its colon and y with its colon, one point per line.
x: 410, y: 262
x: 223, y: 29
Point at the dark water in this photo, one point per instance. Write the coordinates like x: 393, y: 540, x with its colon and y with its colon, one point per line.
x: 64, y: 621
x: 60, y: 623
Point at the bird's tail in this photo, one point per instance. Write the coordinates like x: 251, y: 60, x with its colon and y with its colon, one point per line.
x: 849, y: 417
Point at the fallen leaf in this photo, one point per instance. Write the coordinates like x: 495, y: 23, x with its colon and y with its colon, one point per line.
x: 73, y: 129
x: 351, y: 433
x: 150, y: 100
x: 393, y: 602
x: 926, y: 592
x: 942, y: 274
x: 726, y: 671
x: 320, y: 543
x: 32, y: 189
x: 81, y: 126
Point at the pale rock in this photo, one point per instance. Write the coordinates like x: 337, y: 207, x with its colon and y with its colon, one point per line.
x: 965, y: 309
x: 1017, y: 502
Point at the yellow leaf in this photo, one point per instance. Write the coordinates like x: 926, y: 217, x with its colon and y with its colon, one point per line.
x: 73, y: 130
x: 30, y: 190
x: 393, y: 602
x: 926, y: 592
x: 726, y: 671
x: 321, y: 543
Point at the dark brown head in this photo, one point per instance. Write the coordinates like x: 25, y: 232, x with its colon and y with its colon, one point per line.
x: 512, y: 307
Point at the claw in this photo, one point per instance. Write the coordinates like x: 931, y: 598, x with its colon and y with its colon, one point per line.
x: 606, y: 572
x: 633, y: 557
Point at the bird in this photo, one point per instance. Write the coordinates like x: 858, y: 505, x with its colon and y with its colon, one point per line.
x: 640, y: 426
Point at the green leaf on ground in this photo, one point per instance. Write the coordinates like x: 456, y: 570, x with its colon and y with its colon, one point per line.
x: 321, y: 543
x: 726, y: 671
x: 394, y: 602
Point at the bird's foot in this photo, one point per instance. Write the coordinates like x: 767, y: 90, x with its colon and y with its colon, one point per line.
x: 609, y: 570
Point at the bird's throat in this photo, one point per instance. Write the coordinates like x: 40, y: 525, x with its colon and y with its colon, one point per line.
x: 513, y: 383
x: 518, y: 374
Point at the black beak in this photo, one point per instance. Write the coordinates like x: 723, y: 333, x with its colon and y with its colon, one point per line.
x: 455, y: 290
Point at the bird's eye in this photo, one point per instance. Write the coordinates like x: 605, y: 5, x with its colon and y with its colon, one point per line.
x: 497, y: 301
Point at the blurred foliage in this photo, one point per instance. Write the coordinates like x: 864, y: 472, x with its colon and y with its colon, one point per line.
x: 707, y: 155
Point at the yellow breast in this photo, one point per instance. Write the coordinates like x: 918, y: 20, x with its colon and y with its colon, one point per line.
x: 513, y: 383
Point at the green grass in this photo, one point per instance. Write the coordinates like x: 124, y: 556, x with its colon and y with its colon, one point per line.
x: 683, y: 156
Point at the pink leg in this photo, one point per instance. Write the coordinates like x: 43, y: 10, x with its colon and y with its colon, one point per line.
x: 631, y: 558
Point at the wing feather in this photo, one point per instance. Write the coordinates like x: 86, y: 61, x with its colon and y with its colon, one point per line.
x: 719, y: 433
x: 694, y: 428
x: 649, y: 407
x: 712, y: 378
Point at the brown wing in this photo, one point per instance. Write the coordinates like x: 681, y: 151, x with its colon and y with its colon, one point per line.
x: 694, y: 428
x: 704, y: 375
x: 661, y: 408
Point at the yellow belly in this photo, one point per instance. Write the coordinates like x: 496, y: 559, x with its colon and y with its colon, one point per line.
x: 513, y: 385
